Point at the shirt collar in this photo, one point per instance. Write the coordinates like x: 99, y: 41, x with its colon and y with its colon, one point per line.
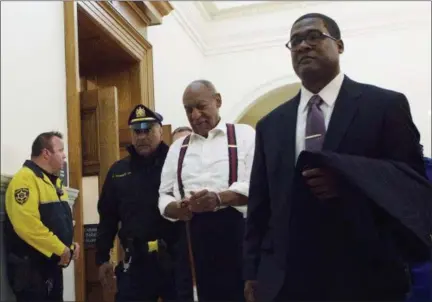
x: 220, y: 128
x: 328, y: 94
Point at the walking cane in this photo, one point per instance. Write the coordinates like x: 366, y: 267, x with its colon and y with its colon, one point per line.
x: 190, y: 253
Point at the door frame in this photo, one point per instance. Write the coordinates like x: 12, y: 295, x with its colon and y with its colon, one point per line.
x: 116, y: 25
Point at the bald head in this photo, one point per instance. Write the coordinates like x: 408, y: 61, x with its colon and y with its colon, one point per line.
x: 202, y: 102
x: 201, y: 85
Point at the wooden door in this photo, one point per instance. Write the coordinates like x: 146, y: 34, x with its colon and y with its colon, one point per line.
x: 166, y: 135
x: 100, y: 149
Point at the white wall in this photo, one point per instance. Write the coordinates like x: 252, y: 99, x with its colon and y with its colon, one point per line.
x: 177, y: 61
x: 395, y: 56
x: 90, y: 197
x: 33, y: 84
x: 33, y: 81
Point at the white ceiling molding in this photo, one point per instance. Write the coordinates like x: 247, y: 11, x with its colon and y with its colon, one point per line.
x: 248, y: 9
x: 193, y: 28
x: 263, y: 25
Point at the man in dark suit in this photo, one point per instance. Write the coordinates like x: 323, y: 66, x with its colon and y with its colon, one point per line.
x: 305, y: 240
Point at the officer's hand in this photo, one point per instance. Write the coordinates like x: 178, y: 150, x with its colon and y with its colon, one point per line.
x: 107, y: 276
x: 179, y: 210
x: 65, y: 257
x: 250, y: 290
x: 76, y: 251
x: 203, y: 201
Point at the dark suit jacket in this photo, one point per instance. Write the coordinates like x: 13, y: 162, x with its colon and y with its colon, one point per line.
x: 292, y: 238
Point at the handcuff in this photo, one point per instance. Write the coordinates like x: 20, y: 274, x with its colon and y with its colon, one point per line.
x: 184, y: 204
x: 219, y: 202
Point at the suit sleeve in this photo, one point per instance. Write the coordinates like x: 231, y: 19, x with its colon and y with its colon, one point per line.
x: 108, y: 220
x: 258, y: 210
x: 22, y: 207
x: 401, y: 143
x: 401, y: 139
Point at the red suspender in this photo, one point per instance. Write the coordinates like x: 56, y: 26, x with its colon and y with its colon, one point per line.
x: 232, y: 153
x: 183, y: 149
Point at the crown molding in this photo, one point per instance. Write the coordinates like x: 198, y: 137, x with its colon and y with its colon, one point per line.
x: 278, y: 37
x: 252, y: 10
x: 269, y: 28
x: 192, y: 26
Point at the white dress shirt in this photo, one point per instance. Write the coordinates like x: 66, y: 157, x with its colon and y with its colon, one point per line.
x: 329, y: 95
x: 206, y: 165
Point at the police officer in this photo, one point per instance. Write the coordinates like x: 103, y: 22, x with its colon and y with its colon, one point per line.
x: 130, y: 196
x: 39, y: 228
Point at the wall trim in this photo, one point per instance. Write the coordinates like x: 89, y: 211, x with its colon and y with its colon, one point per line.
x: 107, y: 17
x: 191, y: 30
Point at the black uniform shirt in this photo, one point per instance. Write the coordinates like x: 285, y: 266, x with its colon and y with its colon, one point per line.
x: 130, y: 196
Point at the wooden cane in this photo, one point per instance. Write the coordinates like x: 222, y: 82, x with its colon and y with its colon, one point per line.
x: 190, y: 253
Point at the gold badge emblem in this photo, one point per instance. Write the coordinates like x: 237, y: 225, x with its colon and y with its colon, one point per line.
x: 22, y: 195
x: 140, y: 112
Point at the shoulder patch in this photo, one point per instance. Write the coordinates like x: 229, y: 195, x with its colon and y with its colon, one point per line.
x: 22, y: 195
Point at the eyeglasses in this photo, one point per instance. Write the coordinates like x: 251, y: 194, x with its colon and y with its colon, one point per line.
x: 312, y: 38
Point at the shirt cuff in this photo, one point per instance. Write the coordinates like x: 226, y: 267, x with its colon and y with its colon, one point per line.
x: 164, y: 201
x: 240, y: 187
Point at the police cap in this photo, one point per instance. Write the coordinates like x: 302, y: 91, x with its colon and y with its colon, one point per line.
x: 143, y: 118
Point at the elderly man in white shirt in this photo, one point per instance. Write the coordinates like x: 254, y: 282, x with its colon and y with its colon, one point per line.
x: 204, y: 186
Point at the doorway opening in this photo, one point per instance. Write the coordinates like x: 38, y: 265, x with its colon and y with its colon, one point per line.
x: 109, y: 71
x: 266, y: 103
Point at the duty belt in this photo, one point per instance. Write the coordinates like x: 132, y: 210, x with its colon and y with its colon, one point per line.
x: 152, y: 247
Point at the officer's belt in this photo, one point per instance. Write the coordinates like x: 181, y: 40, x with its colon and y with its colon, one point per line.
x: 139, y: 246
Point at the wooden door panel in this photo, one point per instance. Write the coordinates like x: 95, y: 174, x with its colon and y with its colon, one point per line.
x: 108, y: 123
x: 100, y: 141
x: 89, y: 133
x: 167, y: 137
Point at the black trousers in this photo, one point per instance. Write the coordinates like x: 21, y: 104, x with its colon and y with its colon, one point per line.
x: 146, y: 280
x: 217, y: 249
x: 36, y: 283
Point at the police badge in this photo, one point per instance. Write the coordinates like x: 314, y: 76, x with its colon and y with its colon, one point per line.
x: 22, y: 195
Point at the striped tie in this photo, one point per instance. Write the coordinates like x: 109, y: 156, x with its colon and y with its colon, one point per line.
x: 315, y: 125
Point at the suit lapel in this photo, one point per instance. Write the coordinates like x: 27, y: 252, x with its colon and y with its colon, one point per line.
x: 287, y: 132
x: 344, y: 110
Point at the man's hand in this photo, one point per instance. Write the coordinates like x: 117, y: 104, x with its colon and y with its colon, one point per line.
x: 107, y: 276
x: 179, y: 210
x: 76, y: 251
x: 250, y: 290
x: 203, y: 201
x: 321, y: 183
x: 65, y: 257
